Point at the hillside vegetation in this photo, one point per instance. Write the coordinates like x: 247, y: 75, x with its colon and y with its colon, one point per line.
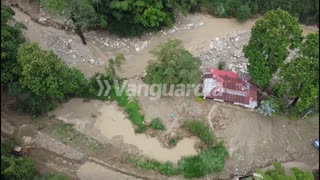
x: 133, y: 17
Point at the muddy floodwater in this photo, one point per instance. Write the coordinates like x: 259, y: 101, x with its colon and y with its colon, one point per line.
x: 111, y: 122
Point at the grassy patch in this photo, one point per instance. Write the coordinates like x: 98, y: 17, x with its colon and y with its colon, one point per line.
x: 150, y: 164
x: 208, y: 161
x: 157, y: 124
x: 66, y: 133
x: 201, y: 130
x: 133, y: 110
x: 200, y: 99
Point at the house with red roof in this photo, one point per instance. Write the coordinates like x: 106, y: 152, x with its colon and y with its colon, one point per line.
x: 227, y: 86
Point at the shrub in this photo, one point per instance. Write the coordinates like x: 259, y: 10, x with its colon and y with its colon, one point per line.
x: 278, y: 172
x: 174, y: 140
x: 166, y: 168
x: 201, y: 130
x: 267, y: 108
x: 199, y: 99
x: 243, y: 12
x: 157, y: 124
x: 221, y: 65
x: 191, y: 167
x: 174, y: 65
x: 208, y: 161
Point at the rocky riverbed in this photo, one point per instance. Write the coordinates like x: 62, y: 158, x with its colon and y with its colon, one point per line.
x: 228, y: 50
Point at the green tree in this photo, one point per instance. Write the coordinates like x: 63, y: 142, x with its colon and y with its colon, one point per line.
x: 301, y: 76
x: 81, y: 12
x: 173, y: 65
x: 185, y: 5
x: 132, y: 17
x: 307, y: 11
x: 268, y: 45
x: 9, y: 45
x: 44, y: 80
x: 44, y: 74
x: 243, y: 12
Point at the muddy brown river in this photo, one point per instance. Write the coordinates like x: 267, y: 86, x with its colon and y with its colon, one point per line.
x: 113, y: 122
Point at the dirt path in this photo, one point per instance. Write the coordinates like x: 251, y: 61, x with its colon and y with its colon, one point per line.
x: 94, y: 171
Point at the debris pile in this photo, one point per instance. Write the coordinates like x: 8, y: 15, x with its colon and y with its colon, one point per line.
x: 227, y: 49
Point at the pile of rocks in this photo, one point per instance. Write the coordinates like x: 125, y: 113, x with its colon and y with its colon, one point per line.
x: 137, y: 44
x: 71, y: 50
x: 111, y: 41
x: 227, y: 49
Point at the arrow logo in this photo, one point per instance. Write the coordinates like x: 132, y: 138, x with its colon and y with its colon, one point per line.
x: 102, y: 87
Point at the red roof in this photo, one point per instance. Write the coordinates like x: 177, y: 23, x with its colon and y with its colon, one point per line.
x: 235, y: 88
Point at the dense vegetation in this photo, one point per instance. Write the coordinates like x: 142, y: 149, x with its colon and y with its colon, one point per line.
x: 173, y: 65
x: 38, y: 79
x: 13, y: 167
x: 133, y: 17
x: 208, y: 161
x: 268, y: 46
x: 272, y: 38
x: 201, y: 130
x: 278, y: 172
x: 9, y: 45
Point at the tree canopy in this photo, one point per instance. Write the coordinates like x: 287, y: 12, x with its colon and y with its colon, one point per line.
x: 9, y: 45
x: 270, y: 39
x: 43, y: 80
x: 133, y: 17
x: 173, y: 65
x: 45, y: 74
x: 300, y: 77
